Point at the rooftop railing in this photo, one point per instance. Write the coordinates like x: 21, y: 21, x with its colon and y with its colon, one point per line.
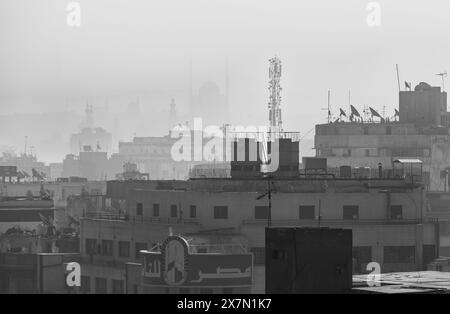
x: 139, y: 219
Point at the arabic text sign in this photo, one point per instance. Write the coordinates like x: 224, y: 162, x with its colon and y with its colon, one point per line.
x: 203, y: 270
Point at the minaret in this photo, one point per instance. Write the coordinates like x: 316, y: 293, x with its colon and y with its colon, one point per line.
x: 172, y: 114
x: 191, y: 95
x: 89, y: 116
x: 227, y: 86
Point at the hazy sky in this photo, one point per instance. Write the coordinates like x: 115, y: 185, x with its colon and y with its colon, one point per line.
x: 131, y: 47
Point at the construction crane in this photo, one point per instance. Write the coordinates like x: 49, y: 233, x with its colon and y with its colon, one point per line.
x: 442, y: 75
x: 275, y: 94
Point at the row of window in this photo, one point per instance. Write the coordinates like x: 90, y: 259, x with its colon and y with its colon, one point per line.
x: 307, y: 212
x: 374, y: 152
x: 101, y: 287
x: 106, y: 248
x: 175, y: 211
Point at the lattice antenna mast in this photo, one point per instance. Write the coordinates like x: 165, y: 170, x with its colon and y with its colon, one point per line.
x: 275, y: 94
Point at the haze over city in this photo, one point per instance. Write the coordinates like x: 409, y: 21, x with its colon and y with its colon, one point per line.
x: 195, y: 148
x: 121, y: 53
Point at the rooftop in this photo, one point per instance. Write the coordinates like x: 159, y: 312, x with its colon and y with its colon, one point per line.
x: 406, y: 282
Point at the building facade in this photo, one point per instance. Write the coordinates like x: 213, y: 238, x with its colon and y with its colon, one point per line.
x: 387, y: 218
x: 422, y: 132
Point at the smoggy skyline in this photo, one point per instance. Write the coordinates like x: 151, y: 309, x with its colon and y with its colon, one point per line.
x: 122, y: 51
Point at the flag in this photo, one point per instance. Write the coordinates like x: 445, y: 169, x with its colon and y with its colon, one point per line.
x: 354, y: 111
x: 374, y: 113
x: 342, y: 113
x: 407, y: 85
x: 396, y: 113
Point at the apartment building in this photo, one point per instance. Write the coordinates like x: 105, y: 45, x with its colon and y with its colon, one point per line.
x: 386, y: 216
x: 420, y: 131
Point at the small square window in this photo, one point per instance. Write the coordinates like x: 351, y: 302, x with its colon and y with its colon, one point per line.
x: 220, y: 212
x: 351, y: 212
x: 307, y: 212
x: 155, y: 210
x: 193, y: 211
x: 107, y: 247
x: 173, y: 211
x: 139, y: 209
x: 124, y: 249
x: 139, y: 246
x: 100, y: 285
x: 396, y: 212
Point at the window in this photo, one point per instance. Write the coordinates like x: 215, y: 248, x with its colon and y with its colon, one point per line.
x: 118, y: 286
x: 155, y: 210
x: 193, y: 211
x: 139, y: 246
x: 362, y: 255
x: 139, y: 209
x: 91, y: 246
x: 261, y: 212
x: 396, y: 212
x: 351, y: 212
x: 107, y: 247
x: 124, y: 249
x: 259, y: 255
x: 100, y: 285
x: 85, y: 284
x: 399, y: 254
x: 220, y: 212
x: 173, y: 211
x: 306, y: 212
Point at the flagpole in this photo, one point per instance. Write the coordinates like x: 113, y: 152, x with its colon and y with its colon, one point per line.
x: 328, y: 107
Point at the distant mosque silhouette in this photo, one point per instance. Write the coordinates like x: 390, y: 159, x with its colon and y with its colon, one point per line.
x: 210, y: 103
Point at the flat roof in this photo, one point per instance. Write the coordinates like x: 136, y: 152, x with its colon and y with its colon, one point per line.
x: 406, y: 280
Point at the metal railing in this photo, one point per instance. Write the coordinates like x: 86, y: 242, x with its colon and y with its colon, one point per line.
x: 324, y: 222
x: 139, y: 219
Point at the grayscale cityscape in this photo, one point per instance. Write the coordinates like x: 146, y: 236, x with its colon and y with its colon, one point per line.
x: 224, y: 147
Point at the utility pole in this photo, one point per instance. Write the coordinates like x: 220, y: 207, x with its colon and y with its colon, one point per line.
x: 328, y: 109
x: 268, y: 193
